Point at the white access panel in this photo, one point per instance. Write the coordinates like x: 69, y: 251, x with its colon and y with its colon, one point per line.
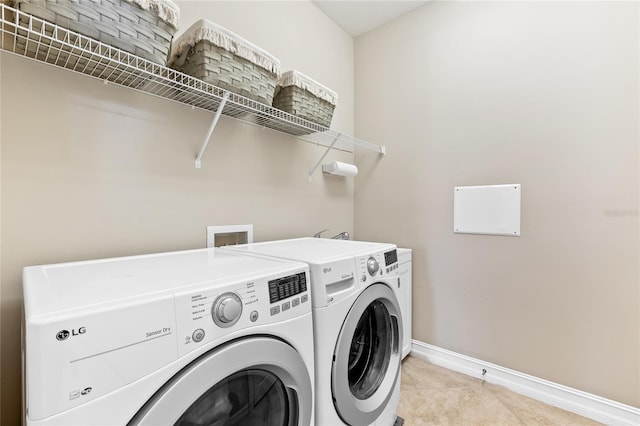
x: 487, y: 209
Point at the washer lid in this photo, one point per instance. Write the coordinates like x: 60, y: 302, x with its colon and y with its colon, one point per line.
x: 312, y: 250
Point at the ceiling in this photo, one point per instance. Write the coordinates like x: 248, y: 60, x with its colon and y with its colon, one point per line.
x: 357, y: 17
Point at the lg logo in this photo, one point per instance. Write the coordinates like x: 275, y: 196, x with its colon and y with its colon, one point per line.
x: 326, y: 270
x: 65, y: 334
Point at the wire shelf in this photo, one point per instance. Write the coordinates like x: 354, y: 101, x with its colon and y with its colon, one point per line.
x: 31, y: 37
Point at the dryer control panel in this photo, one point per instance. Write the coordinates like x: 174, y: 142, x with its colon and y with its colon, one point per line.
x: 283, y: 288
x: 215, y: 312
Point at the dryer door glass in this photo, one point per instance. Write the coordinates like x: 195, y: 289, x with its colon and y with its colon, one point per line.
x: 252, y: 381
x: 250, y: 397
x: 371, y: 348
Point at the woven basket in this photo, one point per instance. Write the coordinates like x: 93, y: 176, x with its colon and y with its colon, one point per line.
x: 117, y: 23
x: 220, y: 57
x: 224, y: 69
x: 305, y: 98
x: 303, y: 104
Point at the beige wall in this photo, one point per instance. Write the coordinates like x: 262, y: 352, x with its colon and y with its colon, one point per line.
x: 92, y: 170
x: 544, y: 94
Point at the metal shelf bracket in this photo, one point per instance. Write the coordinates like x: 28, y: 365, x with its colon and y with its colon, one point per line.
x: 216, y: 117
x: 324, y: 155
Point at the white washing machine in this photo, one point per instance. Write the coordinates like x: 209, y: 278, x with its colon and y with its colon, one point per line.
x: 357, y: 326
x: 185, y: 338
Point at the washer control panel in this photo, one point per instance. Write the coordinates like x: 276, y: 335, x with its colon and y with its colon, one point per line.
x: 216, y: 311
x: 377, y: 265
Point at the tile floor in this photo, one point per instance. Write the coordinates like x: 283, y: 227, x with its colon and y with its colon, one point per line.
x: 432, y: 395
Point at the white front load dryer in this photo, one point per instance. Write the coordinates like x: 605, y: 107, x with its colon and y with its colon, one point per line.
x: 357, y: 326
x: 200, y: 337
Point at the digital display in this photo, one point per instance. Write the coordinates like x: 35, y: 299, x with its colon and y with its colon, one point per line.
x: 390, y: 257
x: 283, y: 288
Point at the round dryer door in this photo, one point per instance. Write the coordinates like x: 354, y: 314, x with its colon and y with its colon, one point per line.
x: 256, y: 381
x: 367, y: 357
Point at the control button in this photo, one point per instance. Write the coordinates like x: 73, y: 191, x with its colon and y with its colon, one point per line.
x: 253, y: 316
x: 198, y: 335
x: 275, y: 310
x: 364, y: 278
x: 229, y: 309
x: 295, y: 302
x: 286, y: 306
x: 226, y: 310
x: 372, y: 266
x: 304, y: 298
x: 387, y: 270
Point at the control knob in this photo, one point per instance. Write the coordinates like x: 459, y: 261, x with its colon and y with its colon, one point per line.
x: 226, y: 310
x: 372, y: 266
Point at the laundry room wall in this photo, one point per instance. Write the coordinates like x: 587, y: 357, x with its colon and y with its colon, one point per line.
x: 92, y: 170
x: 544, y: 94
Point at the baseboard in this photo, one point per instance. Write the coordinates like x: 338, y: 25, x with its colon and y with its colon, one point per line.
x: 585, y: 404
